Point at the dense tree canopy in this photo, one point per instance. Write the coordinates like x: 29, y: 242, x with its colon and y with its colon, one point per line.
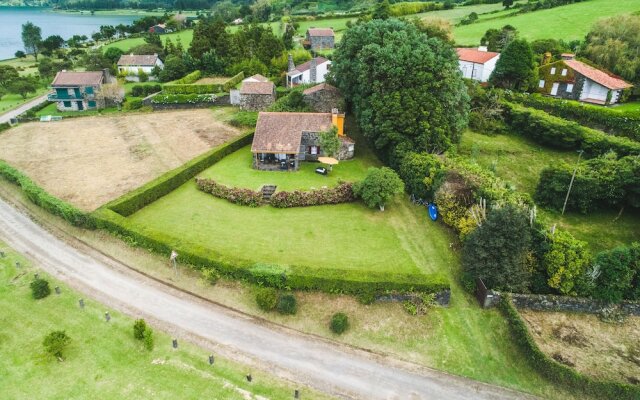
x: 498, y: 39
x: 516, y: 67
x: 404, y: 87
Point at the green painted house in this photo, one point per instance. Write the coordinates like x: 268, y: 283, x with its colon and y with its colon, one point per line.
x: 77, y: 91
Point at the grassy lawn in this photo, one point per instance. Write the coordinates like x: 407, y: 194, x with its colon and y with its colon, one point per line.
x: 103, y: 359
x: 567, y: 22
x: 52, y: 110
x: 630, y: 106
x: 520, y: 161
x: 11, y: 101
x: 185, y: 37
x: 25, y: 65
x: 129, y: 85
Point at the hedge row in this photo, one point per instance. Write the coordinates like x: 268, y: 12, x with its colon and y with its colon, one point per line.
x: 556, y: 372
x: 609, y: 120
x: 184, y: 88
x: 152, y: 191
x: 239, y: 196
x: 325, y: 279
x: 43, y: 199
x: 189, y: 78
x: 233, y: 81
x: 163, y: 98
x: 145, y: 90
x: 4, y: 126
x: 561, y: 134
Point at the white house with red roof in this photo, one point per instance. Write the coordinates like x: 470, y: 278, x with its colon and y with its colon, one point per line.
x: 477, y: 64
x: 312, y: 71
x: 130, y: 65
x: 569, y: 78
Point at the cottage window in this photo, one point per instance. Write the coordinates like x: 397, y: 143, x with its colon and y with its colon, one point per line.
x: 553, y: 71
x: 66, y: 104
x: 541, y: 83
x: 564, y: 72
x: 313, y: 150
x: 570, y: 88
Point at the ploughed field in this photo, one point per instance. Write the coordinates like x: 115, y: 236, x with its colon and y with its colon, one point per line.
x: 90, y: 161
x: 346, y: 236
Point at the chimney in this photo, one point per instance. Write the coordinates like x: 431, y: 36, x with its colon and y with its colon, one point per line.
x: 483, y: 48
x: 106, y: 75
x: 313, y: 70
x: 337, y: 120
x: 291, y: 64
x: 568, y: 56
x: 546, y: 58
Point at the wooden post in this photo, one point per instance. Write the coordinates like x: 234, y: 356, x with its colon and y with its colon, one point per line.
x: 564, y: 206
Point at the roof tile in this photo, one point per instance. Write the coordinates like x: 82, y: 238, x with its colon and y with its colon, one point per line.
x: 475, y: 55
x: 281, y: 132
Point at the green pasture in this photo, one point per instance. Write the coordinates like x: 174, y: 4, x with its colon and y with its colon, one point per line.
x: 125, y: 45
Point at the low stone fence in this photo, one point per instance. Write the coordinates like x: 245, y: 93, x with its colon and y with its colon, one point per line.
x: 540, y: 302
x: 442, y: 298
x: 222, y: 100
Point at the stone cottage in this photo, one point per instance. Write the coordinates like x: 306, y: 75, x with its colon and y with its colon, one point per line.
x: 319, y: 39
x: 257, y: 96
x: 283, y: 139
x: 78, y: 91
x: 323, y: 98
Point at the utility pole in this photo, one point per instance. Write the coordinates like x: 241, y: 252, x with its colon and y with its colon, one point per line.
x: 564, y: 206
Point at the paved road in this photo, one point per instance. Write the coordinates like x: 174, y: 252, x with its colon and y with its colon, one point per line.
x: 23, y: 108
x: 330, y: 367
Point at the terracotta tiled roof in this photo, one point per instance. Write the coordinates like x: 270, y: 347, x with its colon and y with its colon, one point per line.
x: 281, y: 132
x: 256, y: 77
x: 319, y: 87
x: 72, y: 78
x: 320, y: 32
x: 475, y: 55
x: 306, y: 66
x: 132, y: 59
x: 257, y: 88
x: 605, y: 79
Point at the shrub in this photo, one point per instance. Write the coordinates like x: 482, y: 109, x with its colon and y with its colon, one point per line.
x: 267, y: 298
x: 145, y: 90
x: 418, y: 171
x: 148, y: 339
x: 189, y: 78
x: 565, y: 135
x: 4, y: 126
x: 378, y: 187
x: 163, y: 98
x: 210, y: 275
x: 617, y: 269
x: 143, y: 76
x: 243, y: 197
x: 566, y: 262
x: 233, y: 81
x: 133, y: 104
x: 55, y: 343
x: 139, y: 327
x: 40, y: 288
x: 192, y: 89
x: 343, y: 193
x: 244, y: 119
x: 287, y: 304
x: 339, y: 323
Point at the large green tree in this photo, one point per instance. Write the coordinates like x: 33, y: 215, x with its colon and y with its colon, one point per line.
x: 516, y: 67
x: 497, y: 251
x: 378, y: 187
x: 31, y: 38
x: 209, y: 35
x: 404, y: 87
x: 7, y: 75
x: 498, y: 39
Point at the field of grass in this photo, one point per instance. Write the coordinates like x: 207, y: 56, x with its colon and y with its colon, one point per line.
x: 25, y: 66
x: 52, y: 110
x: 103, y: 359
x: 11, y: 101
x: 630, y: 106
x: 569, y: 22
x: 185, y: 37
x: 520, y: 161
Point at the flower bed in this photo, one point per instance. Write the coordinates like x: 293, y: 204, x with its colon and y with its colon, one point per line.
x: 183, y: 98
x: 243, y: 197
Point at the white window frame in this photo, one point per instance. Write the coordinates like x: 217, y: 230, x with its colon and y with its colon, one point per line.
x: 564, y: 72
x: 553, y: 71
x: 541, y: 83
x: 569, y: 88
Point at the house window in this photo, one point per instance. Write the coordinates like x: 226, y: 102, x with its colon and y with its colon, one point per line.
x: 553, y: 71
x: 541, y: 83
x: 66, y: 104
x: 88, y: 90
x: 564, y: 72
x: 92, y: 104
x: 570, y: 88
x: 313, y: 150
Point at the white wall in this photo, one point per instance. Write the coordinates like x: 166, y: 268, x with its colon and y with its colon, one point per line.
x: 593, y: 90
x: 489, y: 66
x: 322, y: 71
x: 133, y: 69
x: 478, y: 72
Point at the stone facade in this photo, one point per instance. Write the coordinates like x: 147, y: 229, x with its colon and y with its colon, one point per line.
x: 443, y: 298
x: 320, y: 42
x: 256, y: 102
x: 347, y: 148
x: 324, y: 99
x: 345, y: 152
x: 539, y: 302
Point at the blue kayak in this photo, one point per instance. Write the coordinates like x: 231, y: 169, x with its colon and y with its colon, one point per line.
x: 433, y: 211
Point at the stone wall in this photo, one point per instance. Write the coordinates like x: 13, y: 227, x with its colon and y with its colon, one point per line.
x: 443, y: 298
x: 256, y: 102
x: 540, y: 302
x: 219, y: 101
x: 347, y: 148
x: 324, y: 100
x: 321, y: 42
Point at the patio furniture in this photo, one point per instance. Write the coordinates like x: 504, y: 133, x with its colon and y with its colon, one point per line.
x: 321, y: 171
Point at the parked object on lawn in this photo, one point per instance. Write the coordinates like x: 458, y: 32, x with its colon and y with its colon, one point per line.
x: 433, y: 211
x: 322, y: 171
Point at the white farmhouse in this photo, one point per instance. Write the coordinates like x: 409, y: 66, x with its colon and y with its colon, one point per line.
x: 477, y: 64
x: 313, y: 71
x: 131, y: 65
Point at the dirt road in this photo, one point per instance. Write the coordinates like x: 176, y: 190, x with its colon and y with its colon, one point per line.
x: 327, y: 366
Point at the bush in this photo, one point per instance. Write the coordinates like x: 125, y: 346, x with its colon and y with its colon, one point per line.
x: 565, y: 135
x: 339, y: 323
x: 4, y: 126
x: 233, y: 81
x: 38, y: 196
x: 192, y: 89
x: 244, y: 119
x: 40, y: 288
x: 133, y: 104
x: 139, y: 327
x: 287, y: 304
x: 55, y: 343
x: 143, y: 76
x: 267, y: 298
x: 189, y: 78
x: 378, y: 187
x: 243, y: 197
x: 343, y: 193
x: 145, y: 90
x: 148, y: 339
x: 210, y: 275
x: 163, y: 98
x: 418, y: 171
x: 566, y: 262
x: 621, y: 123
x: 617, y: 267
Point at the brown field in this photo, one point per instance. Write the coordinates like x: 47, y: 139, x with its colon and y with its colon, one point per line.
x: 212, y: 80
x: 91, y: 161
x: 602, y: 350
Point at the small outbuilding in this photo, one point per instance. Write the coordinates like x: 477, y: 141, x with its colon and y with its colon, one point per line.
x: 477, y: 64
x: 131, y: 65
x: 257, y: 96
x: 323, y: 98
x: 319, y: 39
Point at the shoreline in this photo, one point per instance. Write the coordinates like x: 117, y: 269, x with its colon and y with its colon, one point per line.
x: 104, y: 13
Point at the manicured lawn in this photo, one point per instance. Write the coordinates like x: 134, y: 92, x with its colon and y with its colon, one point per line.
x: 103, y: 359
x: 630, y: 106
x: 569, y: 22
x: 520, y: 161
x: 235, y: 170
x: 126, y: 44
x: 11, y: 101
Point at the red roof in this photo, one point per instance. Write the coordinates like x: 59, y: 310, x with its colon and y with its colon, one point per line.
x: 607, y: 80
x: 475, y: 55
x: 73, y: 78
x: 320, y: 32
x: 306, y: 66
x: 257, y: 88
x: 319, y: 87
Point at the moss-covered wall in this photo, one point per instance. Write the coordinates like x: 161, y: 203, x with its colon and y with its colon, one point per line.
x: 544, y: 72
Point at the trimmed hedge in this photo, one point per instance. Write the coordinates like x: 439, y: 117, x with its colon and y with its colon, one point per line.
x: 239, y: 196
x: 566, y: 135
x: 189, y: 78
x: 40, y: 197
x: 152, y: 191
x: 179, y: 87
x: 597, y: 117
x: 164, y: 98
x: 4, y: 126
x: 556, y: 372
x: 231, y: 83
x: 294, y: 277
x: 145, y: 90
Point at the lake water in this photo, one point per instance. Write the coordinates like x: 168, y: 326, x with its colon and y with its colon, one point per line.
x: 51, y: 23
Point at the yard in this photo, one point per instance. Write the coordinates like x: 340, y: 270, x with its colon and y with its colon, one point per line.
x: 89, y: 161
x: 185, y: 37
x: 608, y: 351
x: 520, y: 161
x: 103, y: 359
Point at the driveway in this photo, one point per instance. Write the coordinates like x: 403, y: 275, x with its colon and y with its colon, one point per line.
x: 22, y: 109
x: 327, y: 366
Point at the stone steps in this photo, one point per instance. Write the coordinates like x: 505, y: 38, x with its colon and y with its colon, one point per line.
x: 267, y: 192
